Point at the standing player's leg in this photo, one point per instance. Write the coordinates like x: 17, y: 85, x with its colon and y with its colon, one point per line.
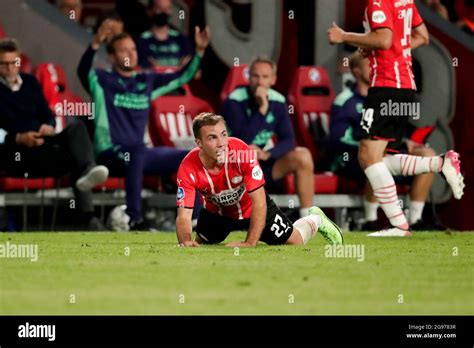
x: 447, y: 164
x: 371, y: 160
x: 380, y: 129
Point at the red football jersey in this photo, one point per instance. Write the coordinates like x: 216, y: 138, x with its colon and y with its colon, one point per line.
x: 226, y: 192
x: 392, y: 67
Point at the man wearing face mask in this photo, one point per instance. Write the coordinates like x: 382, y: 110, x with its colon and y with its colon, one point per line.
x: 162, y: 45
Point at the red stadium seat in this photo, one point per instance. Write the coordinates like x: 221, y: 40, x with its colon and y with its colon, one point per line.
x: 325, y: 182
x: 171, y: 118
x: 311, y: 95
x: 25, y: 66
x: 52, y: 79
x: 236, y: 77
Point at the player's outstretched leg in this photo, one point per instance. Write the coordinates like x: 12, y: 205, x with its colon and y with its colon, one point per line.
x: 447, y: 164
x: 318, y: 221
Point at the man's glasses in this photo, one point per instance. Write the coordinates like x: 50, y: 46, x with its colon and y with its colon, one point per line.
x: 6, y: 63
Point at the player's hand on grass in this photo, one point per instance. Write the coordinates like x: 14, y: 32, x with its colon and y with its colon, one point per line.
x: 335, y: 34
x: 201, y: 38
x: 240, y: 244
x: 189, y: 244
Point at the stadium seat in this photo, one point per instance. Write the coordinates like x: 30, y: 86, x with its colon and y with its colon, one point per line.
x: 236, y: 77
x: 171, y: 118
x: 25, y: 184
x: 25, y: 66
x: 52, y: 79
x: 311, y: 96
x: 325, y: 182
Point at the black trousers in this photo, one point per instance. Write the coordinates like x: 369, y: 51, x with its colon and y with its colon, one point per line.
x: 69, y: 152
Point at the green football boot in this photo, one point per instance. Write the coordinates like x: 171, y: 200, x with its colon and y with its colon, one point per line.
x: 329, y: 230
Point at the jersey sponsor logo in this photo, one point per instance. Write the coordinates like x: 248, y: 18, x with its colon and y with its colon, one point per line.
x: 378, y: 17
x: 237, y: 179
x: 378, y: 3
x: 132, y: 101
x: 180, y: 194
x: 257, y: 173
x: 227, y: 197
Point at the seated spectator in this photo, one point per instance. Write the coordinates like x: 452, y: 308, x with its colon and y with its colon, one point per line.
x: 345, y: 132
x: 71, y: 8
x: 114, y: 24
x: 123, y: 97
x: 162, y: 45
x: 437, y: 7
x: 31, y: 144
x: 257, y: 114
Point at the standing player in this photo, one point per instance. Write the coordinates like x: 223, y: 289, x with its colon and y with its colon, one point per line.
x: 388, y: 43
x: 226, y: 172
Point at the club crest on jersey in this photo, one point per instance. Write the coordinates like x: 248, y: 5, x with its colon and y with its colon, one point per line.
x: 180, y: 194
x: 378, y: 17
x: 257, y: 173
x: 237, y: 179
x: 227, y: 197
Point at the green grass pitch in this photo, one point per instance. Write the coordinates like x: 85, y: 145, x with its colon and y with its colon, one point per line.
x: 90, y: 273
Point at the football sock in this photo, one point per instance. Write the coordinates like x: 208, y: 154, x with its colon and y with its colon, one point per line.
x: 308, y: 226
x: 370, y: 209
x: 304, y: 212
x: 416, y: 210
x: 412, y: 165
x: 386, y: 193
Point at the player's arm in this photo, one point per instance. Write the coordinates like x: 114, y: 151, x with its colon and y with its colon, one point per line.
x: 257, y: 219
x: 184, y: 228
x: 419, y: 36
x: 165, y: 83
x: 380, y: 38
x: 85, y: 64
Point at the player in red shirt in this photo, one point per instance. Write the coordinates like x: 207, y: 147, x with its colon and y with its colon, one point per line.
x: 393, y: 29
x: 228, y: 176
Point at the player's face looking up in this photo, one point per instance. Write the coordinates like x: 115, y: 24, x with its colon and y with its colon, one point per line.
x: 9, y: 65
x: 125, y: 55
x: 213, y: 141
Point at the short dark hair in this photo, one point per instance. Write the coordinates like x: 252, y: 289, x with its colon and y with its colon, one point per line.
x: 9, y: 45
x: 111, y: 44
x: 205, y: 119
